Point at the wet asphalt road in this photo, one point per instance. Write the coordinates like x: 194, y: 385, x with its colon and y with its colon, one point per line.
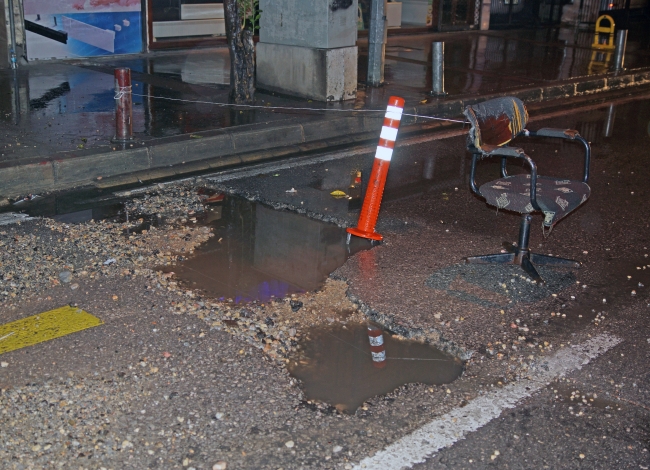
x: 431, y: 223
x: 158, y: 386
x: 55, y: 106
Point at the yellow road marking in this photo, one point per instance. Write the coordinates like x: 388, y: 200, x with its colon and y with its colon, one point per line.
x: 44, y: 327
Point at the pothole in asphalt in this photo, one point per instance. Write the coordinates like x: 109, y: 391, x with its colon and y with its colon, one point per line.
x: 258, y: 253
x: 335, y: 365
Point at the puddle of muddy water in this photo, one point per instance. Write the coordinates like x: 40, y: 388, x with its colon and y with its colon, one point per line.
x: 258, y: 253
x: 335, y: 366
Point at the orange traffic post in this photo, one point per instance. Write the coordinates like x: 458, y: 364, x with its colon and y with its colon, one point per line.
x: 372, y: 201
x: 377, y: 348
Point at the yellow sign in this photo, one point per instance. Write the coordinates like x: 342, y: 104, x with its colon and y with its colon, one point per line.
x: 44, y: 327
x: 608, y: 41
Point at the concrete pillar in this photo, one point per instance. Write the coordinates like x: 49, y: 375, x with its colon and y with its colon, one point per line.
x: 308, y: 49
x: 377, y: 38
x: 4, y: 36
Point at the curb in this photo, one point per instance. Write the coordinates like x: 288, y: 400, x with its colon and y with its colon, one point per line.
x: 258, y: 142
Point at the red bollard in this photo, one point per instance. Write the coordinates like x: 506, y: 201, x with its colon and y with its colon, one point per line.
x: 377, y: 348
x: 123, y: 106
x: 372, y: 201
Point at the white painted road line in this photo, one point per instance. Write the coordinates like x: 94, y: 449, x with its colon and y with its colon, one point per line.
x: 455, y: 425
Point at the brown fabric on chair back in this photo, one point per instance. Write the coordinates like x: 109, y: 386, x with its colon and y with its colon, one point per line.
x: 495, y: 122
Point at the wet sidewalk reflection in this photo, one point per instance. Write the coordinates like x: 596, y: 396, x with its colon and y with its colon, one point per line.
x: 68, y: 106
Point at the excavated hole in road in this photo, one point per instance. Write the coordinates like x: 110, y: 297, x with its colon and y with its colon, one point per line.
x: 335, y: 365
x: 258, y: 253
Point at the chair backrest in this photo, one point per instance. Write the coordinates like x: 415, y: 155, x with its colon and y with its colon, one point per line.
x: 495, y: 122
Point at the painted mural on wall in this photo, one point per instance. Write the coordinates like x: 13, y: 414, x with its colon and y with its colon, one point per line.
x: 58, y: 29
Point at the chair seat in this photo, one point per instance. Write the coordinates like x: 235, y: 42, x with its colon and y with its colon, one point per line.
x: 556, y: 197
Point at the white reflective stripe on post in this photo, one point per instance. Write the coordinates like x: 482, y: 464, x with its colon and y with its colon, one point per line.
x: 394, y: 116
x: 388, y: 133
x: 379, y: 357
x: 384, y: 153
x: 394, y: 109
x: 376, y: 340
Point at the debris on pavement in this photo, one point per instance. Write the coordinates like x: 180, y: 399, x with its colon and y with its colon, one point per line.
x: 338, y: 194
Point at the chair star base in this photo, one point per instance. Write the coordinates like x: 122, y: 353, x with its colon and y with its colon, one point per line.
x: 520, y: 255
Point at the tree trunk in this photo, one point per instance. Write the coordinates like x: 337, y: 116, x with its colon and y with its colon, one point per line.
x: 242, y: 55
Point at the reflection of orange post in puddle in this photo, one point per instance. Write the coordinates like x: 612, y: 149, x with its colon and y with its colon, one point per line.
x: 377, y: 348
x: 370, y: 210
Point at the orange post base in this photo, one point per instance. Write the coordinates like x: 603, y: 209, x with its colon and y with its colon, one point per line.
x: 361, y: 234
x: 371, y: 202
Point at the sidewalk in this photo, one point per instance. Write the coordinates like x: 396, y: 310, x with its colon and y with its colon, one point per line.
x: 60, y: 137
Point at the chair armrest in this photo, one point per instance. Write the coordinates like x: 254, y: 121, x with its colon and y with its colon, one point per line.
x: 569, y: 134
x: 514, y: 152
x: 506, y: 152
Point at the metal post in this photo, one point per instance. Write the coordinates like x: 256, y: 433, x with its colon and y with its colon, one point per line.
x: 438, y: 59
x: 376, y: 43
x: 16, y: 93
x: 123, y: 106
x: 619, y: 52
x: 12, y: 28
x: 609, y: 123
x: 429, y: 167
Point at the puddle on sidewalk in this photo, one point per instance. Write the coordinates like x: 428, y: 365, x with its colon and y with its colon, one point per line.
x: 335, y: 365
x: 258, y: 253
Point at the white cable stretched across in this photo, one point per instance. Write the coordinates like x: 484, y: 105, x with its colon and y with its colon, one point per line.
x: 252, y: 106
x: 123, y: 91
